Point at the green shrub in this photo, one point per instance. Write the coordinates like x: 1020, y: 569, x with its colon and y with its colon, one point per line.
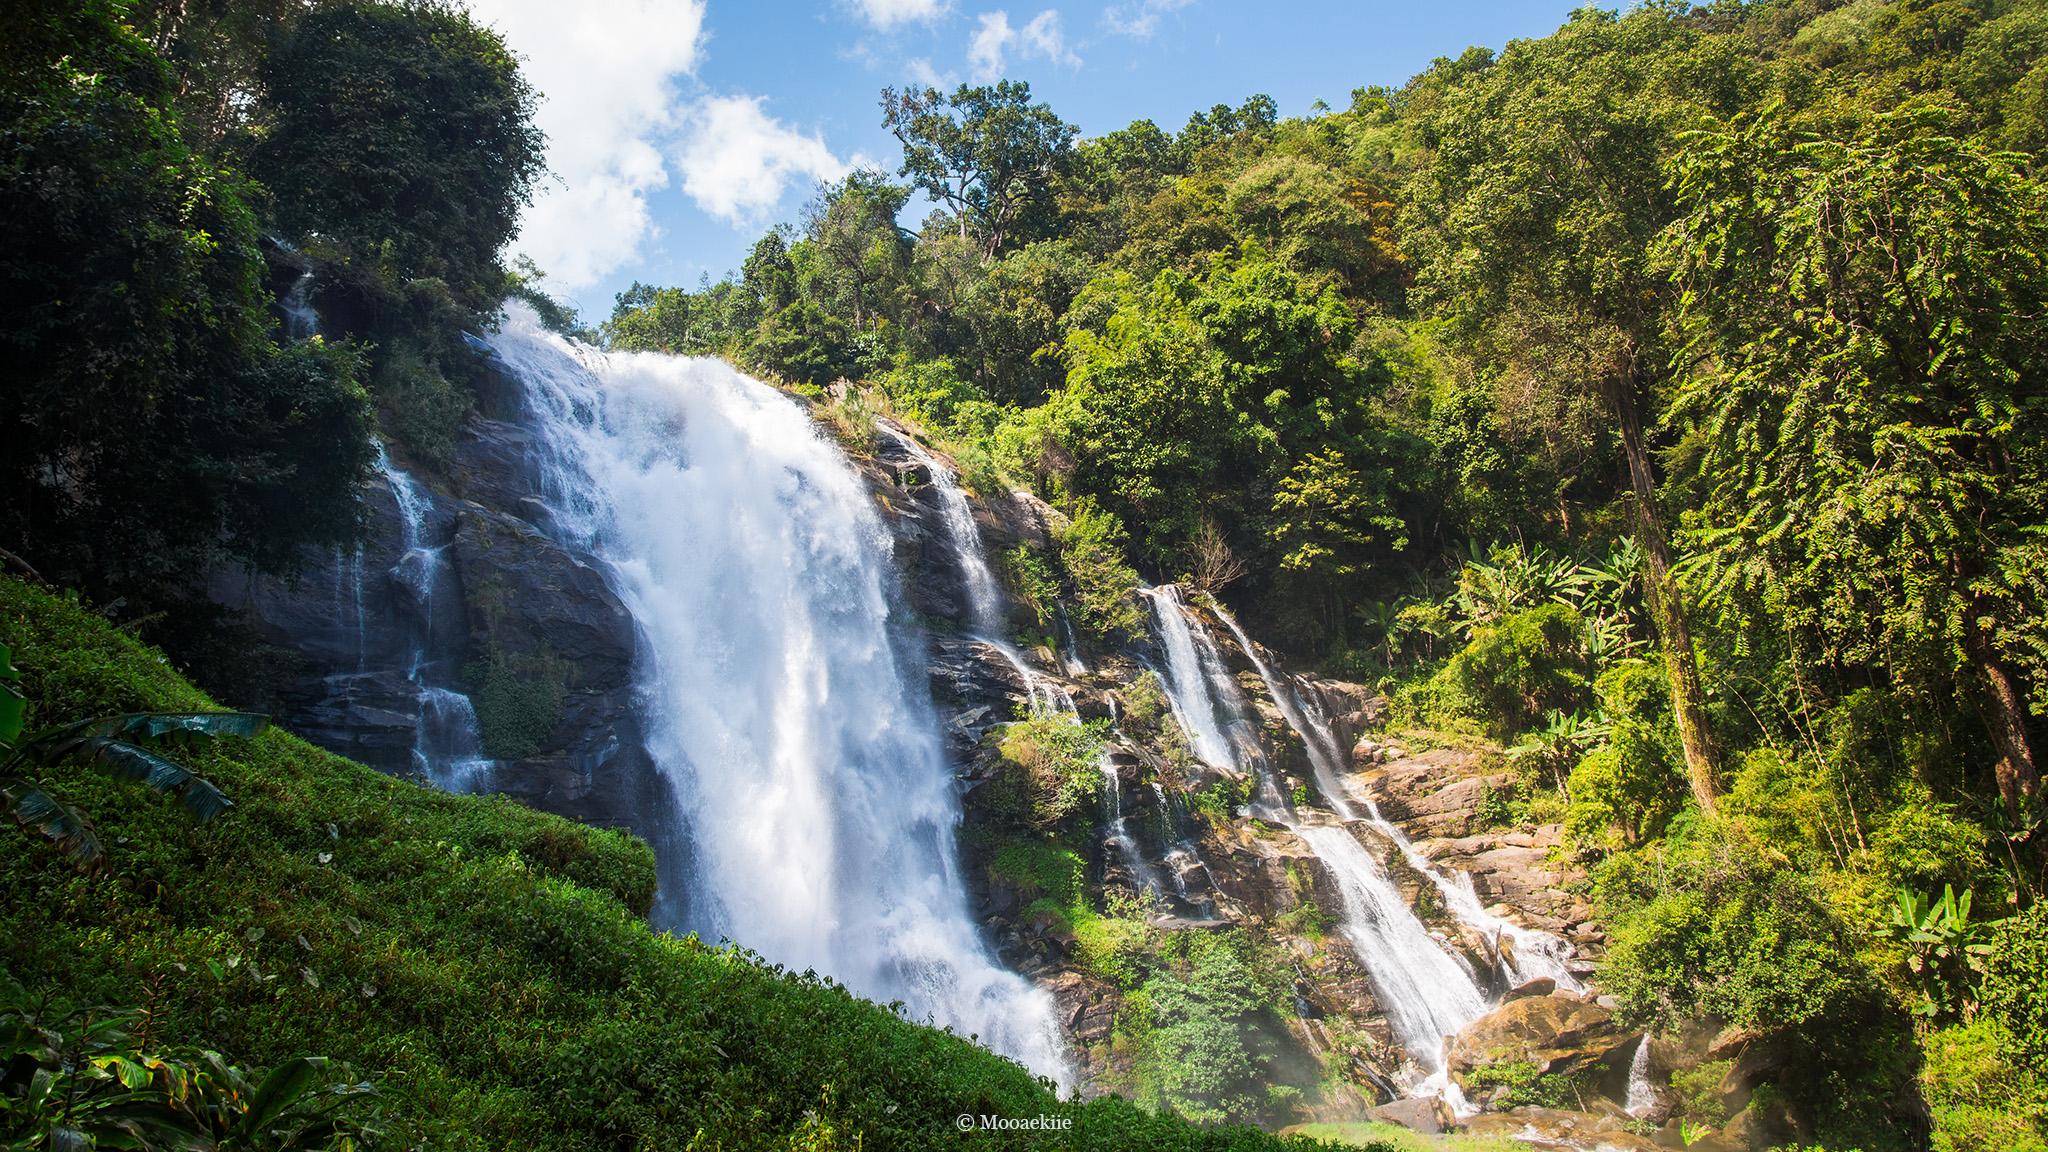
x: 1030, y: 581
x: 1981, y: 1093
x: 518, y: 703
x: 1041, y: 869
x: 1091, y: 547
x: 1734, y: 935
x: 1144, y: 704
x: 1627, y: 791
x: 1516, y: 670
x: 1059, y: 758
x: 2015, y: 987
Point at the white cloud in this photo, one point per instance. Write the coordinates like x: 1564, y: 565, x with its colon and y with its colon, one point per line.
x: 1140, y: 20
x: 1041, y: 37
x: 736, y: 159
x: 921, y: 72
x: 886, y: 14
x: 607, y: 70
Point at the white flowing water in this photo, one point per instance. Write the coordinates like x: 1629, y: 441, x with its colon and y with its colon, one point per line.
x: 1642, y: 1094
x: 1116, y: 827
x: 1427, y: 990
x: 300, y: 321
x: 984, y: 595
x: 1530, y: 955
x: 447, y: 743
x: 799, y: 736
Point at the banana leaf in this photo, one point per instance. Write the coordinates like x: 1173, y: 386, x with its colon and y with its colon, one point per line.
x: 33, y: 807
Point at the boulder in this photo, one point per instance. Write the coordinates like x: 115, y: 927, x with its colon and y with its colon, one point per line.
x: 1558, y: 1035
x: 1429, y: 1115
x: 1541, y: 986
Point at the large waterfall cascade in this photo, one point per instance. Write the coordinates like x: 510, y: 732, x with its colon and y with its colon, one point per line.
x: 777, y: 693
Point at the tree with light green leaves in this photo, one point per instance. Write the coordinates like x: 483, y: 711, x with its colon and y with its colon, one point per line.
x: 1867, y: 322
x: 988, y: 153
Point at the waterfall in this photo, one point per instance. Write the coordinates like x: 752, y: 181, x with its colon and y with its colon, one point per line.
x: 1642, y: 1095
x: 1205, y: 700
x: 984, y: 594
x: 777, y: 693
x: 300, y: 321
x: 447, y: 744
x: 1427, y: 990
x: 1118, y: 833
x: 1535, y: 954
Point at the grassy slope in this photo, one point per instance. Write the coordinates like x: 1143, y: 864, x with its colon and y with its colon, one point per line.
x: 485, y: 963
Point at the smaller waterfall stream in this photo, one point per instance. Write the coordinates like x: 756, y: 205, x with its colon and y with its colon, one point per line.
x: 1534, y: 954
x: 447, y: 745
x: 984, y: 595
x: 1427, y: 990
x: 1642, y: 1094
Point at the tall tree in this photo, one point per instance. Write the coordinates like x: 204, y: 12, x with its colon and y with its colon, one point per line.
x: 404, y: 137
x: 861, y: 253
x: 1869, y: 337
x: 153, y: 427
x: 1542, y: 200
x: 988, y: 153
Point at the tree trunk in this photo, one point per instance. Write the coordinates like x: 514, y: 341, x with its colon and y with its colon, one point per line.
x: 2006, y: 716
x: 1688, y: 699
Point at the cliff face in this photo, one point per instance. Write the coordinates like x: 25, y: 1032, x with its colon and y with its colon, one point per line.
x: 463, y: 630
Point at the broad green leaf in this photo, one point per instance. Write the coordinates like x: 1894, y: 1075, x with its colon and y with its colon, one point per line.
x: 12, y: 704
x: 285, y: 1085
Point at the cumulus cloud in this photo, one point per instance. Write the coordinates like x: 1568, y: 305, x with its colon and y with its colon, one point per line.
x: 1041, y: 37
x: 1139, y: 20
x: 887, y: 14
x: 736, y: 159
x: 608, y: 71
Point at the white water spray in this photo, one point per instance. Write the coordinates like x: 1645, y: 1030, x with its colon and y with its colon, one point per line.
x: 984, y: 594
x: 447, y: 743
x: 800, y: 740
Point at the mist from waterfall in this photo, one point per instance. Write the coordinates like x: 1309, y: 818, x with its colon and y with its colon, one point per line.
x: 778, y: 695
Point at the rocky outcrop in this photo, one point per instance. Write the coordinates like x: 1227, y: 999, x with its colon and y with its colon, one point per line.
x: 1557, y: 1034
x: 459, y: 571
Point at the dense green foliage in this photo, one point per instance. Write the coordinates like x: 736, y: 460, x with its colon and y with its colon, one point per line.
x: 170, y: 175
x: 1722, y: 322
x: 485, y: 964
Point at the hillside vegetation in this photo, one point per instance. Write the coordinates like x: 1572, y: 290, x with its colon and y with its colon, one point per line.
x: 484, y: 965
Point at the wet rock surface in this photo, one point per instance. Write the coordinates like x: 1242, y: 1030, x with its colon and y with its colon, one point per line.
x: 372, y: 635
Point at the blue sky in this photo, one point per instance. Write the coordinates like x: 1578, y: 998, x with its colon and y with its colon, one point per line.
x: 680, y: 129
